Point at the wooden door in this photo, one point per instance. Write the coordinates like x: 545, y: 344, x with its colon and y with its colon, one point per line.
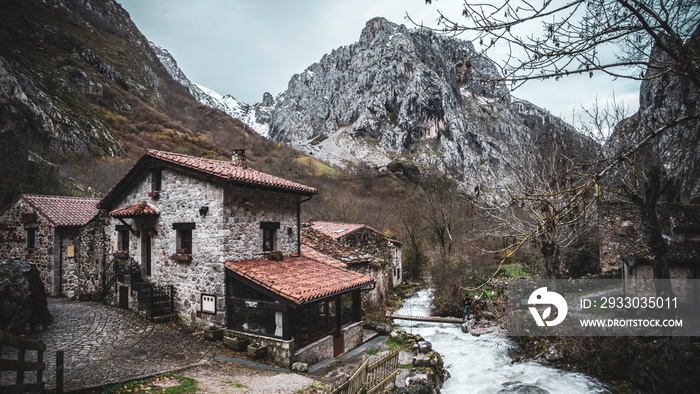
x: 124, y: 297
x: 146, y: 253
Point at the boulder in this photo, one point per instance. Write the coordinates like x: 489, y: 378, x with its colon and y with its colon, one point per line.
x: 425, y: 346
x: 23, y: 306
x: 421, y: 360
x: 300, y: 367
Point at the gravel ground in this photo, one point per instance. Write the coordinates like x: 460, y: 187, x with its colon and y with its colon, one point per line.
x: 215, y: 376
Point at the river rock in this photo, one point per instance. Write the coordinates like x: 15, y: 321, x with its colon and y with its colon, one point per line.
x: 425, y: 346
x: 520, y: 388
x: 23, y: 306
x: 421, y: 360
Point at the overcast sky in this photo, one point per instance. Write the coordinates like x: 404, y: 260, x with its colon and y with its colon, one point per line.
x: 247, y: 47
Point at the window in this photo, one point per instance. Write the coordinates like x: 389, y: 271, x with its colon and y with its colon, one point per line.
x: 269, y: 231
x: 124, y: 240
x: 268, y: 240
x: 31, y: 238
x: 184, y: 237
x: 156, y: 180
x: 184, y: 240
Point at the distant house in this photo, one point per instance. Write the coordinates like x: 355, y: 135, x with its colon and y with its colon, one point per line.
x: 364, y: 250
x: 622, y: 243
x: 46, y: 230
x: 367, y: 240
x: 207, y: 234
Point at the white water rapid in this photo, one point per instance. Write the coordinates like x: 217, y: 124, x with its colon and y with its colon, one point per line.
x: 482, y: 365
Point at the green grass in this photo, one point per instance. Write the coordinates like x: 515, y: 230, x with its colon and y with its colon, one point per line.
x: 235, y: 384
x: 405, y: 366
x: 516, y: 270
x: 316, y: 167
x: 373, y: 352
x: 393, y: 343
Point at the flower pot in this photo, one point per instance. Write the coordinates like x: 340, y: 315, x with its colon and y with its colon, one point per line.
x: 236, y: 343
x: 257, y: 352
x: 213, y: 334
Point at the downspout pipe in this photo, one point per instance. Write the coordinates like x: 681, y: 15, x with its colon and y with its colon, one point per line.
x: 60, y: 263
x: 299, y: 224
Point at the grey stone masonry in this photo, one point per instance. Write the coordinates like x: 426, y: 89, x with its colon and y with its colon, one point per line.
x: 225, y: 223
x: 13, y: 241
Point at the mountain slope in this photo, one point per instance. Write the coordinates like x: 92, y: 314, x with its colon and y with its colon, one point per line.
x: 82, y: 91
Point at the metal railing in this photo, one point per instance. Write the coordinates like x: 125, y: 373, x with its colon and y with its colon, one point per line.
x: 156, y: 300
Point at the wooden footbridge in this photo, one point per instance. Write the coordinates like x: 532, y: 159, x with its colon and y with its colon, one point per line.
x: 433, y: 319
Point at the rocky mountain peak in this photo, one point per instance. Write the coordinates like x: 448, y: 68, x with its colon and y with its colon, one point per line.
x: 377, y: 28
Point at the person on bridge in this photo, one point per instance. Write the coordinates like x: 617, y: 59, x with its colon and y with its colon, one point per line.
x: 467, y: 306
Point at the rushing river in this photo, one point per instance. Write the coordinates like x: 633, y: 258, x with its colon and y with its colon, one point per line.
x: 482, y: 365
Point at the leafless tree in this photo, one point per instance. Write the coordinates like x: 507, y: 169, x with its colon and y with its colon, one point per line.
x: 576, y: 36
x: 649, y: 40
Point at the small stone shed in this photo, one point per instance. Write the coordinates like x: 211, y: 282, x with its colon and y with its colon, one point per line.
x: 681, y: 228
x: 364, y: 250
x: 368, y: 240
x: 46, y: 230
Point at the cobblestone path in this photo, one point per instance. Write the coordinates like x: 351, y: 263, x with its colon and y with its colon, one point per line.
x: 105, y: 344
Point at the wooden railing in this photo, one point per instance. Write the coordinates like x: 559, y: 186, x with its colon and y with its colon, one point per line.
x: 369, y: 378
x: 382, y: 371
x: 20, y: 365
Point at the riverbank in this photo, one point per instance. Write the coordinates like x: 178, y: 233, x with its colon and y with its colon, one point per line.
x: 483, y: 364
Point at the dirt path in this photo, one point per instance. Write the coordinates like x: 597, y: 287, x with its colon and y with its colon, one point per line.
x: 215, y: 376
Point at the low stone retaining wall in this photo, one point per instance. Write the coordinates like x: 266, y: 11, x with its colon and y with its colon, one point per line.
x: 315, y: 352
x: 353, y: 336
x: 278, y: 350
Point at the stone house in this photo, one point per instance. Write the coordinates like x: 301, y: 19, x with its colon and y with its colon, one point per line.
x: 46, y: 230
x: 367, y: 240
x: 622, y: 247
x: 226, y: 241
x: 365, y: 250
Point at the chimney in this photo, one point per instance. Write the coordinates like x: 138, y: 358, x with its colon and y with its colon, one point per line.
x: 238, y: 158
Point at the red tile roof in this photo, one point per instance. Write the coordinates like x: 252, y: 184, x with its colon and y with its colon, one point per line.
x: 216, y: 170
x: 321, y: 258
x: 331, y: 248
x: 64, y: 211
x: 227, y: 170
x: 337, y: 230
x: 140, y: 209
x: 298, y: 279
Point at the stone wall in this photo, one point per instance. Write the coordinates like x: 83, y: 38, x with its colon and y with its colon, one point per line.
x: 245, y: 209
x: 369, y: 241
x: 374, y: 301
x: 92, y: 254
x: 278, y: 350
x: 65, y: 241
x: 226, y: 222
x: 352, y: 336
x: 13, y: 238
x: 618, y: 223
x: 315, y: 352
